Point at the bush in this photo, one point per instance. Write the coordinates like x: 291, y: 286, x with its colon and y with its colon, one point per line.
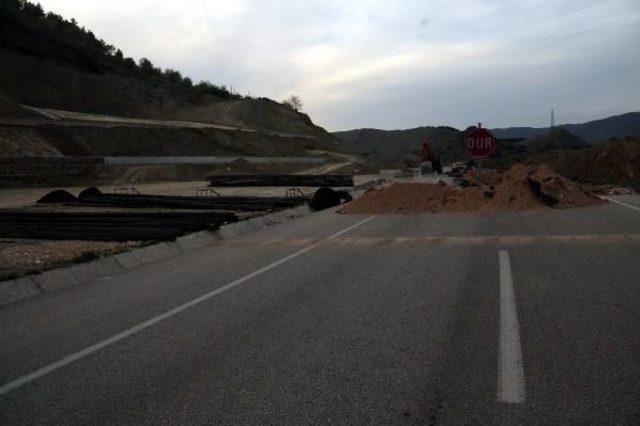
x: 294, y: 102
x: 206, y: 87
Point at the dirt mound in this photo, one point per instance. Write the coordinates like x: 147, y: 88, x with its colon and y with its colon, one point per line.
x: 521, y: 188
x: 544, y: 185
x: 412, y: 198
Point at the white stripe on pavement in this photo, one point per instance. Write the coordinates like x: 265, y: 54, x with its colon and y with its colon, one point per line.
x: 510, y: 369
x: 135, y: 329
x: 631, y: 206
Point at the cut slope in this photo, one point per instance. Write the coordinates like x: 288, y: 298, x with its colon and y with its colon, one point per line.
x: 86, y: 141
x: 32, y: 81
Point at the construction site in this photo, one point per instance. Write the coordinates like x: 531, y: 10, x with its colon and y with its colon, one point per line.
x: 61, y: 228
x: 138, y: 199
x: 399, y: 234
x: 47, y: 228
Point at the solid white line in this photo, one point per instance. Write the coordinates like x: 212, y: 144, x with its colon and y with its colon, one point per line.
x: 135, y: 329
x: 511, y: 371
x: 632, y: 207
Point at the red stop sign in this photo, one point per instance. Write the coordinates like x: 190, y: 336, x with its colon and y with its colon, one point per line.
x: 480, y: 143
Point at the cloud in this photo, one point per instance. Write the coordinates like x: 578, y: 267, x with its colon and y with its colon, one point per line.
x: 393, y: 64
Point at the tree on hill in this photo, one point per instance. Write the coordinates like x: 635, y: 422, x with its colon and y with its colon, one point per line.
x: 219, y: 91
x: 294, y: 102
x: 173, y: 76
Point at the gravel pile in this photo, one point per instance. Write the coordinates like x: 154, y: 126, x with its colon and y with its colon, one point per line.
x: 20, y: 257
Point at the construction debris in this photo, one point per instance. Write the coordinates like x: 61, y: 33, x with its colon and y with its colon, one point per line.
x: 283, y: 180
x: 521, y: 188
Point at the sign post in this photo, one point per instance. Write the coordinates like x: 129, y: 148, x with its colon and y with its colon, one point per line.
x: 480, y: 144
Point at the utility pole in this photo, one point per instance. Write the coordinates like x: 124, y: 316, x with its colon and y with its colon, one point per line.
x: 479, y: 163
x: 553, y: 119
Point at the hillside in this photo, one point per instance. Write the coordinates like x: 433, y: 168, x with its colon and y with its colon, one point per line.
x: 597, y: 131
x: 555, y: 138
x: 397, y: 144
x: 616, y: 162
x: 50, y: 62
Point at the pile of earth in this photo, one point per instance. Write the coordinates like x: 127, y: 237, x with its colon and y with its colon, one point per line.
x: 522, y: 187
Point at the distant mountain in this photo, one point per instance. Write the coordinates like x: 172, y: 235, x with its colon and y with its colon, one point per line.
x: 401, y: 145
x: 593, y: 132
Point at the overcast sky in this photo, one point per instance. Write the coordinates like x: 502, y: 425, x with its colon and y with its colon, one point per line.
x: 393, y: 64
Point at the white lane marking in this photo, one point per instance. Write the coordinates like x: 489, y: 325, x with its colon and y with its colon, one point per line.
x: 137, y: 328
x: 511, y: 371
x: 631, y: 206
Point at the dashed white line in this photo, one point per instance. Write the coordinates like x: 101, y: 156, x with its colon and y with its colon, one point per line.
x: 510, y: 370
x: 137, y: 328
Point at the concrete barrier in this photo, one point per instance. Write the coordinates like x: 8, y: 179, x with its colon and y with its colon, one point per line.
x: 98, y: 268
x: 196, y: 240
x: 128, y: 260
x: 237, y: 229
x: 20, y: 288
x: 156, y: 252
x: 56, y: 279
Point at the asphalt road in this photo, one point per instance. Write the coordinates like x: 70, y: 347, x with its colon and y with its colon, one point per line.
x: 518, y: 318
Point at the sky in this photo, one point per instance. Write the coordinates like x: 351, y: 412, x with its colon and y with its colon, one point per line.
x: 393, y: 64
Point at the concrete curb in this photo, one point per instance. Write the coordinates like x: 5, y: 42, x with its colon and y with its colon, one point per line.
x: 58, y: 279
x: 102, y: 267
x: 237, y: 229
x: 18, y: 289
x: 128, y: 260
x: 196, y: 240
x: 156, y: 252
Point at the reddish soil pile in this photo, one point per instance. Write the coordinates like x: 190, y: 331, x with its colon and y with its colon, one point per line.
x: 521, y: 188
